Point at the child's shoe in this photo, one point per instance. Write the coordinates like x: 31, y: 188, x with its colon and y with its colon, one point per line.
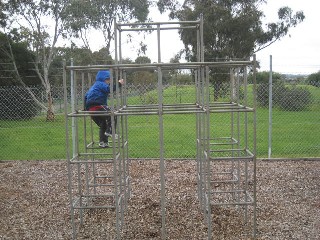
x: 116, y: 137
x: 103, y: 144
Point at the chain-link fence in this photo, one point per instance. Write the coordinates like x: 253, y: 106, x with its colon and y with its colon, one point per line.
x: 290, y: 130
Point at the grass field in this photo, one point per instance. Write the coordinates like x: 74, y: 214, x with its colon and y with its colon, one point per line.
x: 294, y: 134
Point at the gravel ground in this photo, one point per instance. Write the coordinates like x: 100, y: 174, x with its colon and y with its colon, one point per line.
x: 34, y: 203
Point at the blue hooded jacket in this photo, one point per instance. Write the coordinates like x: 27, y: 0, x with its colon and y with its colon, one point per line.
x: 98, y: 93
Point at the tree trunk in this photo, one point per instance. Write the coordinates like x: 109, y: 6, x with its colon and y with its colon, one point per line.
x: 50, y: 111
x: 217, y: 87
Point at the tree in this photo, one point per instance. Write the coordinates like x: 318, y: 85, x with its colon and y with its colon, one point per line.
x: 102, y: 57
x: 32, y: 19
x: 17, y: 70
x: 142, y: 78
x: 83, y: 16
x: 314, y: 79
x: 16, y: 104
x: 263, y: 77
x: 142, y: 59
x: 22, y: 59
x: 233, y: 29
x: 3, y: 15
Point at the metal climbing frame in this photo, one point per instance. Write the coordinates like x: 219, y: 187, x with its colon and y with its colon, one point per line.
x: 226, y: 167
x: 98, y: 178
x: 226, y: 161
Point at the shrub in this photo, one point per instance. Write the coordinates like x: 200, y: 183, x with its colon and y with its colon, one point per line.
x: 263, y: 93
x: 290, y: 99
x: 314, y: 79
x: 295, y: 99
x: 16, y: 103
x: 277, y: 92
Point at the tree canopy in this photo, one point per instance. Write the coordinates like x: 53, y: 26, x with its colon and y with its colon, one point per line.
x: 32, y: 20
x: 314, y: 79
x: 83, y: 16
x: 233, y: 28
x: 23, y: 58
x: 263, y: 77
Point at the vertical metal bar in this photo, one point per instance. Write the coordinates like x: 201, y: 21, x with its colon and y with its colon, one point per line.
x: 199, y: 165
x: 124, y: 122
x: 120, y: 142
x: 65, y: 95
x: 205, y: 79
x: 270, y: 109
x: 232, y: 99
x: 207, y: 129
x: 85, y: 138
x: 115, y: 30
x: 125, y: 135
x: 238, y: 132
x: 161, y: 139
x: 254, y: 145
x: 75, y: 137
x: 111, y: 98
x: 162, y: 165
x: 114, y: 156
x: 246, y: 139
x: 245, y: 82
x: 76, y: 125
x: 198, y: 125
x: 92, y: 143
x: 72, y: 108
x: 159, y: 44
x: 246, y: 147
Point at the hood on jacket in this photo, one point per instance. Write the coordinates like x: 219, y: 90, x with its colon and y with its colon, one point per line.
x: 102, y: 76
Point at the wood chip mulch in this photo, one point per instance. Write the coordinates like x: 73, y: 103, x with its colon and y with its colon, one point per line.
x: 34, y: 203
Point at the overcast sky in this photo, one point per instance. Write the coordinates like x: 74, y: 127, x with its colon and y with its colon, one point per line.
x: 297, y: 53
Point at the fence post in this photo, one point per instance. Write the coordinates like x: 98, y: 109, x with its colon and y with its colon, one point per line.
x: 270, y: 110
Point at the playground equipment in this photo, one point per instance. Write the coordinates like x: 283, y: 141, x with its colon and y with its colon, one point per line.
x: 226, y: 166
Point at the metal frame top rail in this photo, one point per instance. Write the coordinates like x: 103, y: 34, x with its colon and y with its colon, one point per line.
x: 158, y: 23
x: 188, y: 65
x: 153, y: 28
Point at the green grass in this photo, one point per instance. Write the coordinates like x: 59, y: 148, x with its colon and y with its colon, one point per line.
x: 295, y: 134
x: 32, y: 139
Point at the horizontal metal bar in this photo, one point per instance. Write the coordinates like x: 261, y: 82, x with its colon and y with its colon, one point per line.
x: 91, y: 161
x: 247, y: 109
x: 164, y: 105
x: 155, y: 66
x: 97, y: 195
x: 95, y: 207
x: 224, y: 181
x: 244, y: 158
x: 158, y: 23
x: 230, y: 158
x: 154, y: 28
x: 224, y: 173
x: 233, y: 191
x: 101, y: 185
x: 155, y: 111
x: 233, y: 203
x: 229, y: 150
x: 95, y: 154
x: 100, y: 176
